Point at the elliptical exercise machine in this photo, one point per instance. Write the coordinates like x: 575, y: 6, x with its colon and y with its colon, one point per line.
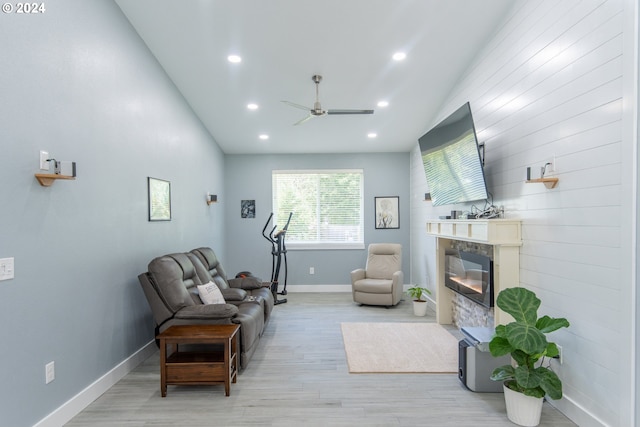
x: 278, y: 252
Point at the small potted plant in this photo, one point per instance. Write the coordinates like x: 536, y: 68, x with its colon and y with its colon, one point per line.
x: 531, y: 379
x: 419, y: 304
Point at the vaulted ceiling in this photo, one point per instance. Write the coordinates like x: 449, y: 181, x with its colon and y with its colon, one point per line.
x: 283, y: 43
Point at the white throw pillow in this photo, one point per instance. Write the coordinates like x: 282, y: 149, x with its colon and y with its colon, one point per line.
x: 210, y: 294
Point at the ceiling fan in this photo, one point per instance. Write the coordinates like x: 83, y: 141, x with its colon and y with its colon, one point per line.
x: 317, y: 110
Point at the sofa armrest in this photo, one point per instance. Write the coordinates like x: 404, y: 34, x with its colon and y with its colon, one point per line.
x: 250, y: 282
x: 207, y: 311
x: 397, y: 278
x: 234, y: 294
x: 357, y: 275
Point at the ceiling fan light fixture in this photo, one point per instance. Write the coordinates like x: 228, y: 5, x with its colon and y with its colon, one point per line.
x: 234, y: 59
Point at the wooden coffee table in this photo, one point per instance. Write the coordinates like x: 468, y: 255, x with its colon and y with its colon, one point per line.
x: 201, y: 367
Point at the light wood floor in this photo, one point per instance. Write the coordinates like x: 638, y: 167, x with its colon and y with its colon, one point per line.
x: 299, y: 377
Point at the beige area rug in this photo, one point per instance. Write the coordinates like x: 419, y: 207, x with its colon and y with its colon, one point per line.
x: 399, y: 348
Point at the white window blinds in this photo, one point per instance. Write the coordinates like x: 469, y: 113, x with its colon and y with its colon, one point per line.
x: 326, y: 205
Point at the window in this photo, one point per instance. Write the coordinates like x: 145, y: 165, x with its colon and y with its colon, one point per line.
x: 326, y: 205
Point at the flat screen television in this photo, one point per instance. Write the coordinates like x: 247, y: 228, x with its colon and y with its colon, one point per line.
x: 452, y: 162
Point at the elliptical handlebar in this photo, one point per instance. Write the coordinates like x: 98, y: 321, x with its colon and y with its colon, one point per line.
x: 270, y: 236
x: 288, y: 221
x: 284, y: 230
x: 266, y: 225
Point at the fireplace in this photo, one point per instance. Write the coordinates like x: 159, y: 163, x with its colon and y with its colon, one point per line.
x: 470, y: 275
x: 500, y: 240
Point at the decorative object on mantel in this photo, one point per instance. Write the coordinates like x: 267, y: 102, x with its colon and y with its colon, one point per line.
x: 212, y: 198
x: 419, y: 305
x: 526, y: 384
x: 387, y: 211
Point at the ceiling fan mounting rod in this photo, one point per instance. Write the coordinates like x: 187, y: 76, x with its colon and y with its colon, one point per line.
x: 317, y: 108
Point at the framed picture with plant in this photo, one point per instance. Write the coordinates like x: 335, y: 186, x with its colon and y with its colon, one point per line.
x: 387, y: 211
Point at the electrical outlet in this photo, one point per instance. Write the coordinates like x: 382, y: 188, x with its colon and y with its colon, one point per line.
x: 559, y: 353
x: 49, y: 372
x: 312, y: 270
x: 44, y: 165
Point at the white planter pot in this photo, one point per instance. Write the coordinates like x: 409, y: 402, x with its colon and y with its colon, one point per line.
x: 522, y: 410
x: 420, y: 308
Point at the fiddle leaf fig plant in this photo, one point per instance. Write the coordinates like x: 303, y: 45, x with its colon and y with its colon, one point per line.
x: 525, y: 340
x: 416, y: 292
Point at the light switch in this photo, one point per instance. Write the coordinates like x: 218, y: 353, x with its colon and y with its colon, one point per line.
x: 6, y: 268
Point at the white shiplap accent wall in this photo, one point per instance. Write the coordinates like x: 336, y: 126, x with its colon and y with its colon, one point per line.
x: 550, y: 86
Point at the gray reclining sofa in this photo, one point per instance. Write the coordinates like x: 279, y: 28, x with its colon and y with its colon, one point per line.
x: 170, y: 286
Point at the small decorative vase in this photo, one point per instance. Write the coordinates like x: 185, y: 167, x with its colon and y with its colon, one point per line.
x: 420, y: 308
x: 521, y: 409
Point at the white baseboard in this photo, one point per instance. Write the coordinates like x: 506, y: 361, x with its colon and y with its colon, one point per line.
x: 577, y: 413
x: 80, y: 401
x: 432, y: 303
x: 329, y: 288
x: 318, y: 288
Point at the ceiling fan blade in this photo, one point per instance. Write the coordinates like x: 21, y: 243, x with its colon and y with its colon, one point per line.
x: 309, y: 117
x: 292, y: 104
x: 349, y: 111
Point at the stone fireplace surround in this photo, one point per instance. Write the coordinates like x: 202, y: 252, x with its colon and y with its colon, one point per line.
x: 465, y: 311
x: 500, y: 239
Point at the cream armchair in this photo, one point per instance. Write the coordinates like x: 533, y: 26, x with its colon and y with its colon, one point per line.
x: 380, y: 282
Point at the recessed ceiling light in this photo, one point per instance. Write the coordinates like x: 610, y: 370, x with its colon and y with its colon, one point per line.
x: 399, y: 56
x: 372, y: 135
x: 234, y: 59
x: 383, y: 104
x: 263, y: 136
x: 252, y: 106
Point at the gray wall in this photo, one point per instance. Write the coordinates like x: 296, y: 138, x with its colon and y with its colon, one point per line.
x: 78, y: 82
x: 249, y: 177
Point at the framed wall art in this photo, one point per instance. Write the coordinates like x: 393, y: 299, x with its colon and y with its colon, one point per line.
x: 247, y: 208
x: 387, y: 211
x: 159, y: 199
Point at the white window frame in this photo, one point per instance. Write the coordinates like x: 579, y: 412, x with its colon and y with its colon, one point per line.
x: 320, y: 245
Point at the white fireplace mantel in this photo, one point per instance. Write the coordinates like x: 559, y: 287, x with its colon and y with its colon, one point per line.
x: 505, y: 237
